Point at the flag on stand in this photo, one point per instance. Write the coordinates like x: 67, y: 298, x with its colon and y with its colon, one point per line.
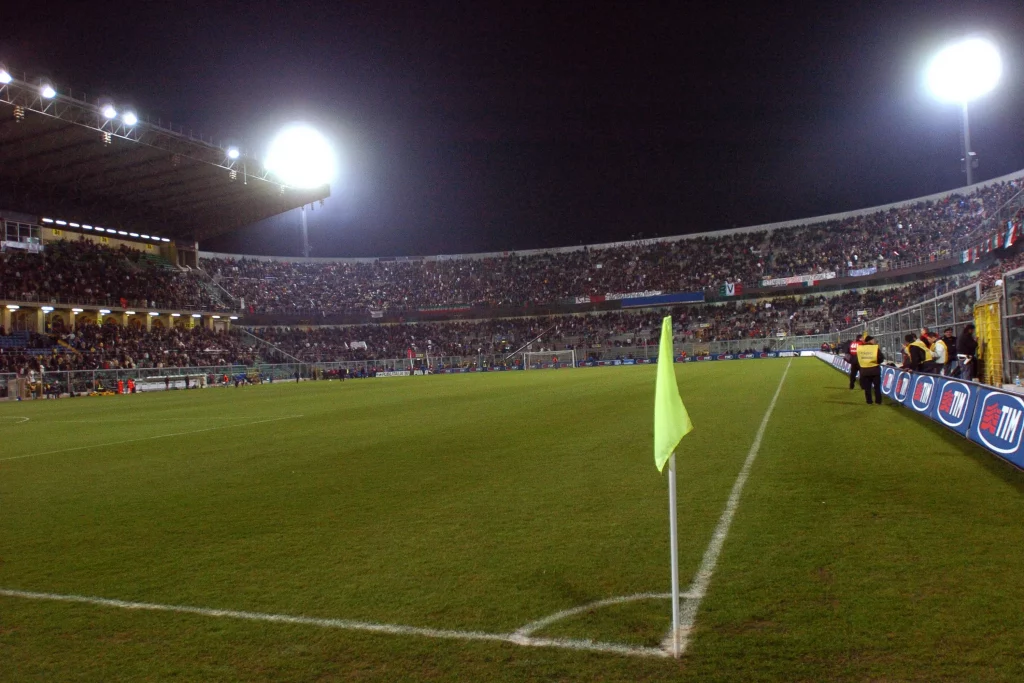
x: 671, y: 421
x: 1011, y: 233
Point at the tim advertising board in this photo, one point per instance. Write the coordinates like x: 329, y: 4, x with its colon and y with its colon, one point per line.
x: 901, y: 389
x: 922, y: 394
x: 888, y: 380
x: 998, y: 424
x: 954, y: 404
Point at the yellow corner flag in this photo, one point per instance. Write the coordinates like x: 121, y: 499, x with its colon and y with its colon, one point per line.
x: 671, y: 421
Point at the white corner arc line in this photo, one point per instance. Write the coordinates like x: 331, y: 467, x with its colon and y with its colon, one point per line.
x: 22, y: 420
x: 350, y: 625
x: 537, y: 625
x: 148, y: 438
x: 702, y: 579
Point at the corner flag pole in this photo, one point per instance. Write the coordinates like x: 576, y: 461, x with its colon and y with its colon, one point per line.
x: 675, y: 552
x: 671, y: 424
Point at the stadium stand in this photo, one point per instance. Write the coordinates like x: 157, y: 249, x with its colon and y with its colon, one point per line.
x: 924, y: 231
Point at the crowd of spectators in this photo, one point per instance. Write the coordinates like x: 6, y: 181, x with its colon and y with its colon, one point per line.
x: 107, y: 347
x: 83, y: 272
x: 881, y: 239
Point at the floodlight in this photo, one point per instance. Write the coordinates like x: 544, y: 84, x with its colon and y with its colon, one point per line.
x: 122, y: 232
x: 104, y: 311
x: 154, y: 313
x: 233, y: 152
x: 74, y: 225
x: 86, y: 226
x: 109, y: 112
x: 60, y: 222
x: 216, y: 317
x: 165, y: 239
x: 196, y: 315
x: 129, y: 118
x: 145, y: 237
x: 234, y: 317
x: 301, y: 157
x: 76, y: 310
x: 5, y: 76
x: 964, y: 71
x: 47, y: 220
x: 129, y: 312
x: 47, y: 309
x: 133, y: 234
x: 47, y: 91
x: 175, y: 315
x: 13, y: 307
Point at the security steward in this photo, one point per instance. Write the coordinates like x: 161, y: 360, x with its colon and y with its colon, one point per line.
x: 921, y: 358
x: 869, y: 358
x: 854, y: 362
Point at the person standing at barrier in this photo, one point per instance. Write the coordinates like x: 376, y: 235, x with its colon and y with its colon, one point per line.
x: 854, y: 364
x: 938, y: 354
x: 928, y: 340
x: 966, y: 352
x: 948, y: 342
x: 869, y: 359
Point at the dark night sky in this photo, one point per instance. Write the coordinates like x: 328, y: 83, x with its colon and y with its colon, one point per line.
x: 476, y: 126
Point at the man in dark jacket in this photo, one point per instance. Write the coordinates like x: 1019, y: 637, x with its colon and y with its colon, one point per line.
x: 949, y: 341
x: 913, y: 353
x: 966, y: 352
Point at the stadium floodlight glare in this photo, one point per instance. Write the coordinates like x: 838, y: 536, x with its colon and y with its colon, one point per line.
x: 216, y: 317
x: 233, y: 152
x: 13, y: 307
x: 133, y: 234
x: 104, y: 311
x: 154, y: 313
x: 129, y: 118
x: 122, y: 232
x: 5, y: 76
x: 109, y: 112
x: 196, y: 315
x: 47, y: 91
x: 175, y: 315
x: 76, y: 310
x: 74, y: 225
x: 129, y: 312
x: 234, y: 317
x: 165, y: 239
x: 47, y: 309
x: 964, y: 71
x: 301, y: 157
x: 47, y: 220
x: 59, y: 222
x: 145, y: 237
x: 85, y: 226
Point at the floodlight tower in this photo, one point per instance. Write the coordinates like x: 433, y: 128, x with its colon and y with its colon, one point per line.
x: 301, y: 157
x: 962, y: 72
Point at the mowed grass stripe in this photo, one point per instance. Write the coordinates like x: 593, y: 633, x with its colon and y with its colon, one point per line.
x: 477, y: 503
x: 876, y: 545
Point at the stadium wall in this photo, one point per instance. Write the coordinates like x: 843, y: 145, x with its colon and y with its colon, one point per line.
x: 991, y: 418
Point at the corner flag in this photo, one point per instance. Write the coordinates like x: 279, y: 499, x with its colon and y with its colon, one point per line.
x: 671, y: 421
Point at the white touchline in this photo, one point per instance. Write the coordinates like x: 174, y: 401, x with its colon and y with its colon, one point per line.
x: 351, y: 625
x: 699, y: 586
x: 148, y: 438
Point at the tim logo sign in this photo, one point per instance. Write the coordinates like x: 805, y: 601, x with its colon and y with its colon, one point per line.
x: 999, y: 423
x: 954, y: 405
x: 924, y: 390
x: 902, y: 388
x: 888, y: 380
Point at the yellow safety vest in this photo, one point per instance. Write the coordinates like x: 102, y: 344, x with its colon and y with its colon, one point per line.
x: 867, y: 355
x: 924, y: 347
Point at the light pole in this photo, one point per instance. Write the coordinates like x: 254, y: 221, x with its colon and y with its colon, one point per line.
x: 962, y: 72
x: 305, y: 234
x: 301, y: 157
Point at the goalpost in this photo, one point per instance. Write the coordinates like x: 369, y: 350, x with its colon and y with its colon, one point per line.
x: 549, y: 359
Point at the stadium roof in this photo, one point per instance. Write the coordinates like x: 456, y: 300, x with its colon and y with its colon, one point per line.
x: 64, y: 155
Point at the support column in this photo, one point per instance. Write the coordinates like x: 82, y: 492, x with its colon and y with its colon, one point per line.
x: 5, y: 319
x: 40, y: 321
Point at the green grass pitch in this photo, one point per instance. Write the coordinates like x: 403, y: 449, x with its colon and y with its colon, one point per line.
x: 868, y: 544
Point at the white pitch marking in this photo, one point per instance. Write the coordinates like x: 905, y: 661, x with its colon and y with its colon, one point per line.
x: 535, y: 626
x: 699, y: 586
x: 138, y: 420
x: 21, y: 420
x: 148, y: 438
x: 351, y: 625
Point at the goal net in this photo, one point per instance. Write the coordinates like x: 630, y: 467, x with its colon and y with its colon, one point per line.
x: 536, y: 360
